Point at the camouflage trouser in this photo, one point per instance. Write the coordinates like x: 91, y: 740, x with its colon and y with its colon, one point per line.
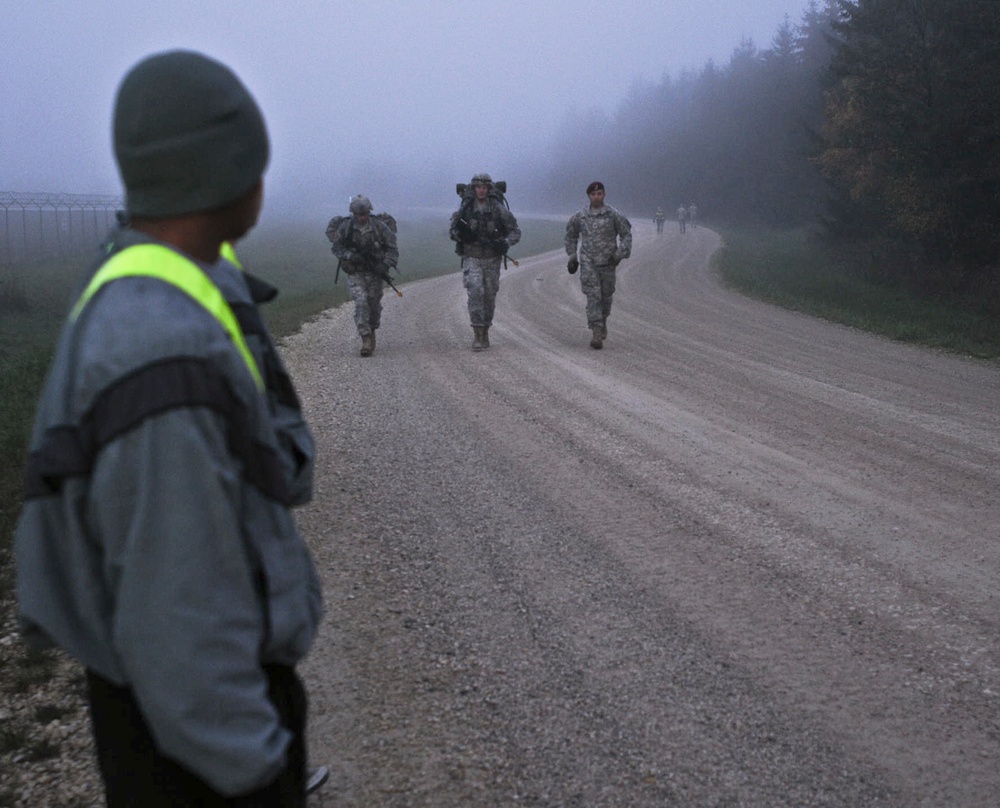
x: 366, y: 290
x: 481, y: 277
x: 598, y: 284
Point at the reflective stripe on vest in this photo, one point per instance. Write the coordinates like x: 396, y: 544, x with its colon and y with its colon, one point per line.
x: 162, y: 263
x: 227, y: 252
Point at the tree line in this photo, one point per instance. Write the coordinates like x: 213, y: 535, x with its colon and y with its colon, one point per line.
x: 871, y: 120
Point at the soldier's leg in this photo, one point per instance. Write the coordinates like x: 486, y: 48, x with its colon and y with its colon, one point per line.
x: 375, y: 293
x: 472, y: 278
x: 359, y: 293
x: 590, y: 283
x: 491, y: 285
x: 608, y: 280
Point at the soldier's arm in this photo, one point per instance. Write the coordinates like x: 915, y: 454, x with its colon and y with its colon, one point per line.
x: 572, y: 234
x: 624, y: 229
x: 513, y: 231
x: 390, y: 252
x: 340, y: 248
x: 453, y: 230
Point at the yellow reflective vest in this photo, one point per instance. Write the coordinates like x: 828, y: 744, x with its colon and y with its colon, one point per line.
x: 162, y: 263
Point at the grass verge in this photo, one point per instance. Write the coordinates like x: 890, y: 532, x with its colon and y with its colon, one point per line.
x: 797, y: 272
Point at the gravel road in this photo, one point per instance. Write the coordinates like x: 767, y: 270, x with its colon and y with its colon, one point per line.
x: 738, y: 557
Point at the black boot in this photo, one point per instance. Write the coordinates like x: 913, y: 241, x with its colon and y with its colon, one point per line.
x: 479, y: 340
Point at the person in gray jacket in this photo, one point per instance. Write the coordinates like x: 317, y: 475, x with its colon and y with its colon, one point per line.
x: 604, y: 237
x: 156, y: 544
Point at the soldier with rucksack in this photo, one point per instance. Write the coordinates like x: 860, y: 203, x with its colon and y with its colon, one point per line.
x: 365, y: 245
x: 484, y: 229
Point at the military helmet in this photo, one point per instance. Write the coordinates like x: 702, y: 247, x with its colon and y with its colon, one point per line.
x: 360, y: 204
x: 482, y: 179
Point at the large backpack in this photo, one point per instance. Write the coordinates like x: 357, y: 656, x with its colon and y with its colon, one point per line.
x: 337, y: 221
x: 498, y: 192
x: 388, y: 219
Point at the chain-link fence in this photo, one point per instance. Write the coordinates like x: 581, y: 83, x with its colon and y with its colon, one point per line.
x: 43, y: 226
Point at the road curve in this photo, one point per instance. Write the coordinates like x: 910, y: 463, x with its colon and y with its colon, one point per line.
x: 737, y: 557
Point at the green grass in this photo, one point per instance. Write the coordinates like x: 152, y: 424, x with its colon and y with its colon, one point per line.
x: 801, y: 273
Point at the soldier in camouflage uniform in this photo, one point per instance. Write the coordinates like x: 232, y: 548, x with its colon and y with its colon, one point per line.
x: 659, y: 218
x: 484, y: 229
x: 366, y: 247
x: 605, y: 239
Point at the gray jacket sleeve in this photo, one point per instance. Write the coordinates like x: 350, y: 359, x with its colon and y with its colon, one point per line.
x: 185, y: 598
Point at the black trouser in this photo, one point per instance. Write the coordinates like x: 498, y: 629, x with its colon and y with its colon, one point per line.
x: 136, y: 775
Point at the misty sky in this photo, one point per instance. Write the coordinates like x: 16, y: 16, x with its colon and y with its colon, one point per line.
x: 357, y: 96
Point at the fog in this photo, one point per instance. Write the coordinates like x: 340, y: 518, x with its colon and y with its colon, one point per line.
x: 397, y: 100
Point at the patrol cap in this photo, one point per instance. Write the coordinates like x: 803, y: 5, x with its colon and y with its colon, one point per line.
x: 188, y: 136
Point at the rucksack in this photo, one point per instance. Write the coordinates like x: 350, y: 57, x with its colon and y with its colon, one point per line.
x: 388, y: 219
x: 337, y: 221
x: 498, y: 193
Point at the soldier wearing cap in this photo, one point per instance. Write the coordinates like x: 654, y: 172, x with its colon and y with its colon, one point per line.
x: 604, y: 238
x: 484, y: 229
x: 366, y: 247
x: 157, y: 544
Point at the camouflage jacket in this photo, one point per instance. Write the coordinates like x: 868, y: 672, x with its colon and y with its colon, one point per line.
x: 604, y: 235
x: 371, y: 248
x: 484, y: 231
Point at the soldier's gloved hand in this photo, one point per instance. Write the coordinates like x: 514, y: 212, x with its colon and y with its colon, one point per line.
x: 350, y: 256
x: 573, y: 265
x: 501, y: 246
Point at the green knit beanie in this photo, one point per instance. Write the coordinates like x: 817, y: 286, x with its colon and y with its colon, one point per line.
x: 188, y: 136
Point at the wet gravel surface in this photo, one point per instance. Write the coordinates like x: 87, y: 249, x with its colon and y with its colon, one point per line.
x: 738, y: 557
